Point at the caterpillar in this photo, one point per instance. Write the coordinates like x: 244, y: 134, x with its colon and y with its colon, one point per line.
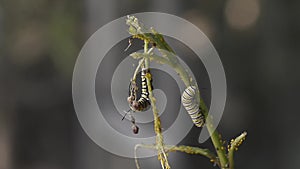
x: 192, y: 107
x: 141, y: 104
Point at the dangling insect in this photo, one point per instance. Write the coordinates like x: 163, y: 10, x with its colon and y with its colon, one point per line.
x: 135, y: 128
x: 192, y: 107
x: 141, y: 104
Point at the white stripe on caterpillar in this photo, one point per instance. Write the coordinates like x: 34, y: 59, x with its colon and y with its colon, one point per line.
x: 192, y: 107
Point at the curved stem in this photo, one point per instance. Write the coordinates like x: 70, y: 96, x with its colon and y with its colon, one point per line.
x: 234, y: 144
x: 141, y: 62
x: 182, y: 148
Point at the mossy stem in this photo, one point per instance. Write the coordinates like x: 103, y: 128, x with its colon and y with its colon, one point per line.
x: 182, y: 148
x: 157, y: 124
x: 234, y: 144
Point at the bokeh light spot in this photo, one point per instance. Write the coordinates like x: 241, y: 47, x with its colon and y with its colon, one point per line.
x: 242, y: 14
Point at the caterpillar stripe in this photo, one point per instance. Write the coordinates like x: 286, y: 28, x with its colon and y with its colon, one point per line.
x: 192, y: 107
x: 143, y: 103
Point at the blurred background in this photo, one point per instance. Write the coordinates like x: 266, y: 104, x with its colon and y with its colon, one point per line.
x: 258, y: 43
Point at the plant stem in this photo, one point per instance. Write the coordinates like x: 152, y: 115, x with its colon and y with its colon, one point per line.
x: 141, y: 62
x: 218, y: 144
x: 157, y: 124
x: 193, y: 150
x: 182, y: 148
x: 234, y: 144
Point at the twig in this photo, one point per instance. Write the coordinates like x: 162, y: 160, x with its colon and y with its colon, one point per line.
x: 234, y: 144
x: 141, y: 146
x: 157, y: 125
x: 182, y: 148
x: 141, y: 62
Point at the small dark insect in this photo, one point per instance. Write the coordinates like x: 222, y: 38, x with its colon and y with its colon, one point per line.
x: 134, y: 127
x: 192, y: 107
x: 154, y: 44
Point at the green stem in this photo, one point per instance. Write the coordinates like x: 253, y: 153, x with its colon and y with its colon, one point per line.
x: 193, y: 150
x: 231, y: 161
x: 218, y: 144
x: 234, y: 144
x: 182, y: 148
x: 157, y: 124
x: 141, y: 62
x: 215, y: 137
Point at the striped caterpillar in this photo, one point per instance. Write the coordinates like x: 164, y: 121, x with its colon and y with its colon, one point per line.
x: 141, y: 104
x: 192, y: 107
